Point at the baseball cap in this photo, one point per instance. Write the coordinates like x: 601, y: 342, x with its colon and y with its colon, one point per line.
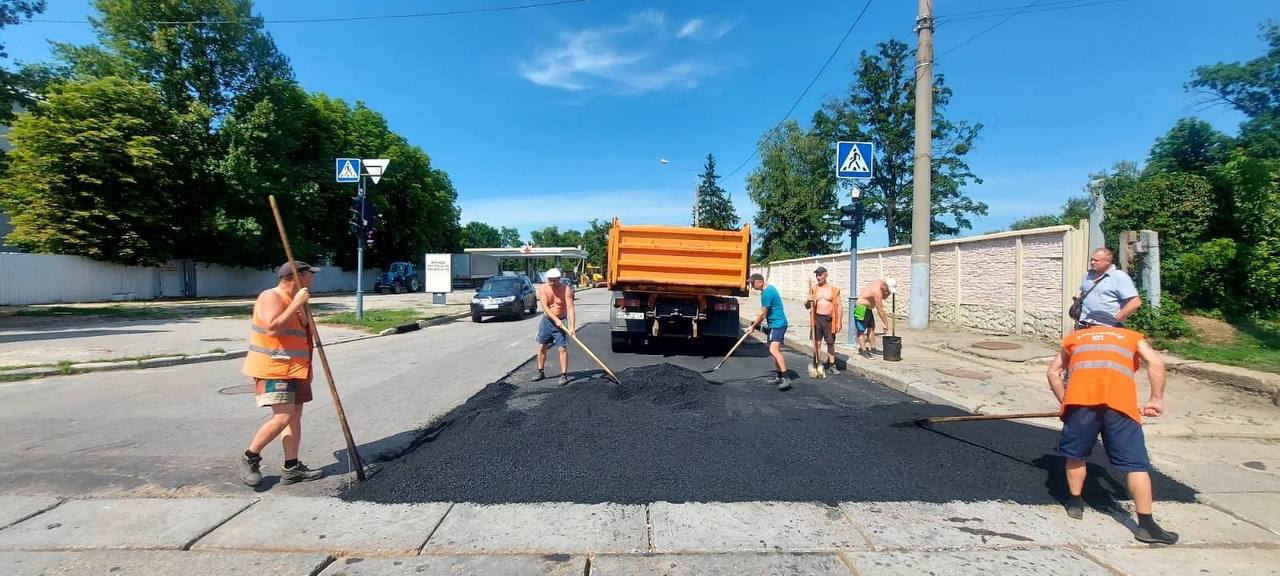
x: 892, y: 285
x: 553, y: 273
x: 286, y: 269
x: 820, y: 270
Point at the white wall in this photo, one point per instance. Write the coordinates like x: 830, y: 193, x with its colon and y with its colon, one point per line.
x: 53, y: 278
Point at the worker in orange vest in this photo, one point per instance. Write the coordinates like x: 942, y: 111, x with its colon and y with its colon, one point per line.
x: 279, y: 361
x: 1101, y: 358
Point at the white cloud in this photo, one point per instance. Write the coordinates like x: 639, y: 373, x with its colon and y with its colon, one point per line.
x: 636, y: 57
x: 574, y: 209
x: 703, y: 29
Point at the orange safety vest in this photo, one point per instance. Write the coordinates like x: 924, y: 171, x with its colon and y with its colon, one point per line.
x: 1103, y: 363
x: 286, y: 356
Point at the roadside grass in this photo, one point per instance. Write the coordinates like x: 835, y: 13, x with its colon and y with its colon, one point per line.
x: 1256, y: 345
x: 374, y: 320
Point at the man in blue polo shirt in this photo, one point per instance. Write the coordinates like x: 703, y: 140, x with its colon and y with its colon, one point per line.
x: 1107, y: 288
x: 774, y: 319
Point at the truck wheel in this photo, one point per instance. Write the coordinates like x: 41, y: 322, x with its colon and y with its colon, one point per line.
x: 619, y: 342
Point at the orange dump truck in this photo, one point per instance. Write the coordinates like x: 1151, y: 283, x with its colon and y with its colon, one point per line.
x: 676, y: 282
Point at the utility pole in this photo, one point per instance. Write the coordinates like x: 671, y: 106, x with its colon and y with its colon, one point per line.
x: 922, y: 188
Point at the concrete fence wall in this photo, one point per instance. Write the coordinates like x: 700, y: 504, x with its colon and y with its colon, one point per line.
x: 1011, y: 282
x: 53, y: 278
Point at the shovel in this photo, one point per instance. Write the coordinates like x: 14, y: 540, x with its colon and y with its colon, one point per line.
x: 940, y: 419
x: 593, y: 356
x: 815, y: 370
x: 734, y: 349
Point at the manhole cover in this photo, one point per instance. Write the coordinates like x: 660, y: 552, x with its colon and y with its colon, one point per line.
x: 241, y: 389
x: 962, y: 373
x: 997, y: 345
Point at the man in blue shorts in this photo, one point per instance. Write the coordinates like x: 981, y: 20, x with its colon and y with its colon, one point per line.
x: 1102, y: 398
x: 774, y: 319
x: 557, y: 323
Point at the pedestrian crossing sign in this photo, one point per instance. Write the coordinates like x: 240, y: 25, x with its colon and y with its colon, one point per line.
x: 347, y: 169
x: 854, y: 160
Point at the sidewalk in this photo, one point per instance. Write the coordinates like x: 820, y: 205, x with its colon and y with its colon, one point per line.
x: 263, y: 536
x: 44, y: 340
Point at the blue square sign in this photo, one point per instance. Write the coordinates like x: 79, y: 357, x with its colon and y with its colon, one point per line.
x: 346, y: 169
x: 854, y: 160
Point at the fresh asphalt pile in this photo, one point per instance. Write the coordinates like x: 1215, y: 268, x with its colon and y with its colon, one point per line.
x: 668, y: 433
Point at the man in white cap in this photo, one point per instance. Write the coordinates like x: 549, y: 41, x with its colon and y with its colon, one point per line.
x: 872, y: 296
x: 558, y: 319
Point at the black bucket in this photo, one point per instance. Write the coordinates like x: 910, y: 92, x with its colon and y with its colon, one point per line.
x: 892, y: 348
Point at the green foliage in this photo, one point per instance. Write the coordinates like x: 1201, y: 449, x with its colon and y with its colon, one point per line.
x: 1075, y: 210
x: 1159, y: 324
x: 15, y: 88
x: 880, y: 107
x: 596, y: 242
x: 1041, y: 221
x: 1191, y: 146
x: 94, y: 172
x: 480, y: 235
x: 794, y: 190
x: 1206, y: 277
x: 1252, y: 88
x: 510, y: 237
x: 1178, y: 205
x: 715, y: 208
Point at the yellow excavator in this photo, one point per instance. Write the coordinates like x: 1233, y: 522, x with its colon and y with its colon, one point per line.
x: 591, y: 278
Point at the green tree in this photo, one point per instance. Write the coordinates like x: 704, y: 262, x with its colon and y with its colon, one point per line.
x: 94, y: 173
x: 510, y: 237
x: 15, y: 88
x: 480, y: 235
x: 1192, y: 145
x: 879, y: 106
x: 595, y: 240
x: 1172, y: 204
x: 794, y: 191
x: 715, y: 207
x: 1252, y: 88
x: 1073, y: 211
x: 227, y: 57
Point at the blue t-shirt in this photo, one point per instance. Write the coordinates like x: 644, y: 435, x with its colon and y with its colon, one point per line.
x: 769, y: 298
x: 1113, y: 292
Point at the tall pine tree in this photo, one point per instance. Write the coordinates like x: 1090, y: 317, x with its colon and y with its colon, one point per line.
x: 715, y: 208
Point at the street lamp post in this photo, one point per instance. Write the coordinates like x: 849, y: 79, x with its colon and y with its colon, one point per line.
x: 697, y: 194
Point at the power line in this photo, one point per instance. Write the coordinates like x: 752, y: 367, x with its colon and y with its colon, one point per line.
x: 1040, y: 9
x: 988, y: 29
x: 337, y: 19
x: 1005, y: 9
x: 811, y: 82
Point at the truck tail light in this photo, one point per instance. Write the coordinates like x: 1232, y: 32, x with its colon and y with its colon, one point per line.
x: 725, y: 306
x: 627, y: 302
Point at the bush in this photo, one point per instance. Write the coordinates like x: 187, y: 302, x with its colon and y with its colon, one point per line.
x: 1261, y: 264
x: 1163, y: 323
x: 1205, y: 278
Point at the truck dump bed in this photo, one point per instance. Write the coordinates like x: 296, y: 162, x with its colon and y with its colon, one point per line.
x: 679, y: 259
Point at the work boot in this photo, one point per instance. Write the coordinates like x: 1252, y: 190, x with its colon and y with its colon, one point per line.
x: 539, y: 376
x: 250, y: 470
x: 564, y: 380
x: 1075, y: 508
x: 299, y: 473
x: 1152, y: 533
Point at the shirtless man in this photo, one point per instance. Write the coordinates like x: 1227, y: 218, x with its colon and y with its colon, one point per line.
x: 827, y: 316
x: 557, y: 305
x: 872, y: 296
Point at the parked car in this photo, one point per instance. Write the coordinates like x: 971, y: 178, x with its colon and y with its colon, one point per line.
x: 501, y: 295
x: 399, y: 277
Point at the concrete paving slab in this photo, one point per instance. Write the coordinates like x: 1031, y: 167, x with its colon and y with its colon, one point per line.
x: 1004, y: 563
x: 930, y: 526
x: 157, y: 563
x: 1196, y: 525
x: 294, y: 524
x: 548, y: 565
x: 719, y: 564
x: 751, y: 527
x: 1178, y: 560
x: 130, y: 523
x: 1261, y: 508
x: 17, y: 508
x: 546, y: 528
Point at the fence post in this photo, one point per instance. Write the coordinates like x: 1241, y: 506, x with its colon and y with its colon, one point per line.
x: 1017, y: 285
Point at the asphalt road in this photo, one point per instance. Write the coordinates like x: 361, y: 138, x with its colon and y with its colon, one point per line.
x: 673, y: 432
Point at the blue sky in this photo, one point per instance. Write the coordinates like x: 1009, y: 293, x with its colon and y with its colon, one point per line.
x: 558, y: 115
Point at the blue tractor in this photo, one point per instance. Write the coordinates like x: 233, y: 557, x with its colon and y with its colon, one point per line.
x: 399, y: 277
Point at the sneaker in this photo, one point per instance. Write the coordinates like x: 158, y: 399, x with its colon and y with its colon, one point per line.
x: 784, y: 383
x: 299, y: 473
x: 539, y: 376
x: 1155, y: 535
x: 564, y: 380
x: 832, y: 371
x: 1075, y: 510
x: 250, y: 471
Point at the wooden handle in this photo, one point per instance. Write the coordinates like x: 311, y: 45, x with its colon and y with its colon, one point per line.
x: 735, y: 347
x: 353, y: 455
x: 992, y: 417
x: 593, y: 356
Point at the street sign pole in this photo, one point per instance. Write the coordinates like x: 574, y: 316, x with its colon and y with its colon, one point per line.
x: 855, y: 161
x: 360, y: 255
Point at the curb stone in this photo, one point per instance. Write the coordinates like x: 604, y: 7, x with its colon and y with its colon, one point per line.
x: 1243, y: 379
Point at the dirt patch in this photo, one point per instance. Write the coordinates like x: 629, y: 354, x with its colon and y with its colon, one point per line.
x: 1212, y: 330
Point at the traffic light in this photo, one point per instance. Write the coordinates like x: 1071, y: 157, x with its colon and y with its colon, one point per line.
x: 368, y: 238
x: 854, y: 222
x: 362, y: 215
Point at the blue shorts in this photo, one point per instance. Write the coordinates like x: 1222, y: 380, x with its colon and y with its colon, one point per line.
x: 777, y: 334
x: 549, y: 334
x: 1121, y: 437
